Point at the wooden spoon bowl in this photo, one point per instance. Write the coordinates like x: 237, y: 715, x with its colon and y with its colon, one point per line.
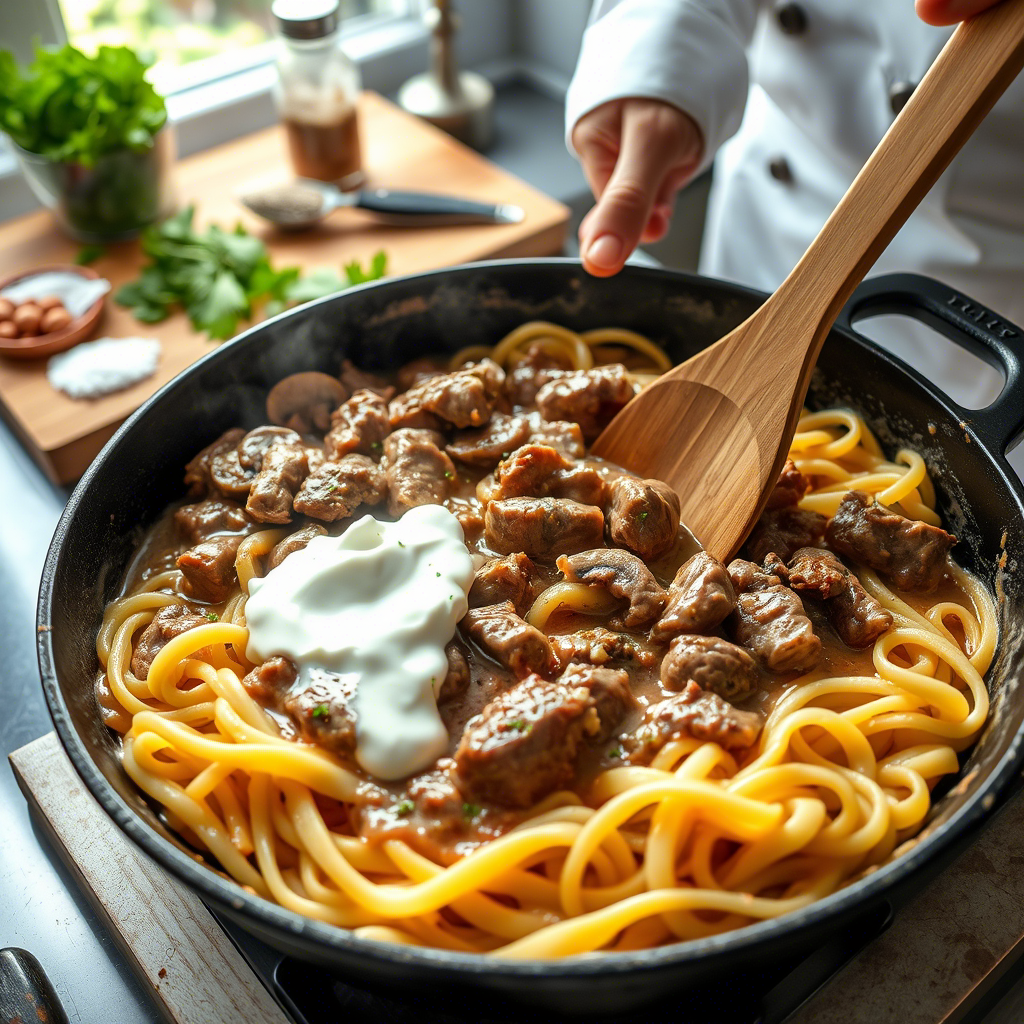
x: 717, y: 428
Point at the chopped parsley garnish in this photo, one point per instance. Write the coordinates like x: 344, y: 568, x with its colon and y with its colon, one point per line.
x: 401, y: 544
x: 321, y: 711
x: 449, y: 475
x: 643, y: 515
x: 404, y: 808
x: 470, y: 810
x: 505, y: 455
x: 376, y: 446
x: 437, y: 574
x: 519, y: 725
x: 212, y: 616
x: 615, y: 752
x: 333, y: 487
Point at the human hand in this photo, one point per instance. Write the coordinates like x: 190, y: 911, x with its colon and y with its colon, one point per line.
x: 949, y: 12
x: 636, y: 154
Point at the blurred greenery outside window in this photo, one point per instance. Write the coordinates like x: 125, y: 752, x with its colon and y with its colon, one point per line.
x: 191, y: 41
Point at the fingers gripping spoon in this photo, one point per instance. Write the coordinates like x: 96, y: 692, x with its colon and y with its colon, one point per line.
x: 717, y: 427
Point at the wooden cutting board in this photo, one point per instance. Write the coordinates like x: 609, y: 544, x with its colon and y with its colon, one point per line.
x: 400, y: 151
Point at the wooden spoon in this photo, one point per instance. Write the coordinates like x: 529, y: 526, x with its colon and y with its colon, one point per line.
x: 717, y: 427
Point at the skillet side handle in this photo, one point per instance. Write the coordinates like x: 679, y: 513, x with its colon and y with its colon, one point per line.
x: 971, y: 326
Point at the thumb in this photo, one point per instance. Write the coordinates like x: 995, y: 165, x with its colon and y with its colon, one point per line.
x: 651, y: 148
x: 949, y: 12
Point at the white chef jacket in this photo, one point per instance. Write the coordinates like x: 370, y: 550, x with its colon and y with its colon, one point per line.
x: 817, y: 100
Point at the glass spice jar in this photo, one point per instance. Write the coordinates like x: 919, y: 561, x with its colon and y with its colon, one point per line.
x: 316, y: 93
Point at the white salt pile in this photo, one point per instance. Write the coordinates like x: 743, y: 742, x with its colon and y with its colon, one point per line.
x: 104, y: 366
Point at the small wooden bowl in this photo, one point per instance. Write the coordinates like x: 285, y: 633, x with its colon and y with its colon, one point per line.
x: 56, y: 341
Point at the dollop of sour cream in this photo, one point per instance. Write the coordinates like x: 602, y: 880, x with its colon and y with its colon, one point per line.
x: 376, y: 606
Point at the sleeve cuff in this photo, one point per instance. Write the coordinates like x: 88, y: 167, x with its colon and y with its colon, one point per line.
x: 689, y: 54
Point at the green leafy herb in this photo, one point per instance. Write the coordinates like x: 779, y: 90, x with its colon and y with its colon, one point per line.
x: 89, y: 254
x: 333, y: 487
x: 218, y: 277
x: 519, y: 725
x: 437, y: 574
x: 321, y: 711
x: 376, y: 446
x: 377, y: 269
x: 71, y: 108
x: 404, y: 808
x: 401, y: 544
x: 470, y: 810
x: 449, y: 475
x: 615, y: 752
x: 212, y: 616
x: 643, y: 516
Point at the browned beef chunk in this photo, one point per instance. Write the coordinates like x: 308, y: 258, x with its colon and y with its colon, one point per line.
x: 791, y: 487
x: 170, y: 621
x: 270, y: 682
x: 282, y: 470
x: 457, y: 678
x: 359, y: 425
x: 209, y: 568
x: 770, y: 622
x: 464, y: 398
x: 438, y: 799
x: 523, y: 745
x: 561, y: 435
x: 537, y: 470
x: 542, y: 527
x: 420, y: 370
x: 643, y: 516
x: 293, y: 542
x: 470, y: 514
x: 704, y: 716
x: 587, y: 397
x: 610, y: 696
x: 529, y: 371
x: 418, y: 472
x: 337, y: 489
x: 782, y: 531
x: 857, y: 617
x: 699, y: 600
x: 258, y: 442
x: 504, y: 579
x: 214, y: 515
x: 622, y: 575
x: 229, y: 476
x: 197, y: 472
x: 508, y: 639
x: 713, y: 664
x: 355, y: 380
x: 484, y: 447
x: 600, y: 646
x: 323, y: 710
x: 406, y: 412
x: 910, y: 553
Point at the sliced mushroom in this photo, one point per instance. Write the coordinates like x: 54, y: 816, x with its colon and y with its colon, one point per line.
x: 305, y: 401
x: 254, y: 445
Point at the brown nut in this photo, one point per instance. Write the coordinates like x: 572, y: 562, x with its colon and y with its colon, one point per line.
x: 6, y: 309
x: 55, y: 319
x: 8, y: 330
x: 48, y: 302
x: 27, y: 318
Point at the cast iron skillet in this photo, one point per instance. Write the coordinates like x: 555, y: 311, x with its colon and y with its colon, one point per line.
x: 382, y: 325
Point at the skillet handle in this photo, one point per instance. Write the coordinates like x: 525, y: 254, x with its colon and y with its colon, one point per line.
x: 1000, y: 426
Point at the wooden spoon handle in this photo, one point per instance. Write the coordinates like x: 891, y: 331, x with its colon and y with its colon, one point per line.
x: 981, y: 59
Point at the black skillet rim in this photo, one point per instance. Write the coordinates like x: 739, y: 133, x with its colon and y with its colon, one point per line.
x: 276, y: 919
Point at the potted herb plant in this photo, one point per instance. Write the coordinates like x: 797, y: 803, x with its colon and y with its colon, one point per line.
x: 92, y: 138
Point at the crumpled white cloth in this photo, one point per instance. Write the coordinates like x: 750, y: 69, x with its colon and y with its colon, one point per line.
x: 77, y: 293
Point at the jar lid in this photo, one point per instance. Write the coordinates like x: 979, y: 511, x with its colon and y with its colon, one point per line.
x: 306, y: 19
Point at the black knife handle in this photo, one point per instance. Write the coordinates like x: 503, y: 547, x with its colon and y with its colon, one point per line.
x: 25, y: 991
x: 424, y: 205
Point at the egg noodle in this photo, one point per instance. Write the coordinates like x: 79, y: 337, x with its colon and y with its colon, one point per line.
x: 699, y: 842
